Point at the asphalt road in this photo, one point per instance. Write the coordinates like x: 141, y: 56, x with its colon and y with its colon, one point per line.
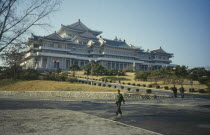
x: 163, y: 117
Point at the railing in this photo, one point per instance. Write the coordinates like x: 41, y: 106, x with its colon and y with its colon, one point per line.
x: 61, y: 55
x: 30, y: 54
x: 52, y: 48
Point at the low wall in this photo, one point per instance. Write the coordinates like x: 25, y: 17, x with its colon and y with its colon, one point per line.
x: 78, y: 95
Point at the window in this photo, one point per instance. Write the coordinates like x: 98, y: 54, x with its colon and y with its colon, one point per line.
x: 51, y: 45
x: 59, y: 46
x: 56, y: 64
x: 36, y: 46
x: 44, y: 62
x: 67, y: 64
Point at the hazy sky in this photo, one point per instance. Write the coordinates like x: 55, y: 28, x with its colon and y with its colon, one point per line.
x: 181, y: 27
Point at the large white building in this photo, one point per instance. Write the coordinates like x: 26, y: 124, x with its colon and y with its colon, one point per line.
x: 77, y: 44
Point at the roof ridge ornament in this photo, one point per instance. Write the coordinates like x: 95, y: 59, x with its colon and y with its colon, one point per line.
x: 115, y: 38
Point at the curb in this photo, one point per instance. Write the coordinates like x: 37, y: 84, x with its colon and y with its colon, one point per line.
x: 79, y: 95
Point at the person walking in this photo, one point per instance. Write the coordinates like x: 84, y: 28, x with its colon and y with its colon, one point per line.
x: 174, y: 89
x: 119, y: 100
x: 119, y: 84
x: 182, y: 92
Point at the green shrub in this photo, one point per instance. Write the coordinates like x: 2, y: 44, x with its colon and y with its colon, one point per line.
x: 191, y: 90
x: 122, y: 87
x: 109, y: 85
x: 94, y: 83
x: 144, y: 85
x: 137, y: 90
x: 71, y: 79
x: 29, y: 74
x: 129, y: 83
x: 203, y: 80
x: 166, y: 87
x: 143, y: 75
x: 115, y: 86
x: 104, y: 85
x: 123, y: 83
x: 150, y: 85
x: 158, y: 87
x: 133, y: 84
x: 138, y: 85
x: 99, y: 84
x: 201, y: 91
x: 128, y: 89
x: 59, y: 77
x: 113, y: 78
x: 149, y: 91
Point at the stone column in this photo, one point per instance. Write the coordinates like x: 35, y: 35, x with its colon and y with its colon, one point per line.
x: 79, y: 63
x: 63, y: 63
x: 70, y: 61
x: 47, y: 65
x: 111, y: 64
x: 41, y: 62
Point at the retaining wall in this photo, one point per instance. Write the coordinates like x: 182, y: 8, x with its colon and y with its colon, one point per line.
x: 78, y: 95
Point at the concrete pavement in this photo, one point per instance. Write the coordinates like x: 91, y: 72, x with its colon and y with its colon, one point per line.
x: 65, y: 122
x: 165, y: 116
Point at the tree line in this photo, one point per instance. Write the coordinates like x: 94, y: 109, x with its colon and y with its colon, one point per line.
x: 175, y: 75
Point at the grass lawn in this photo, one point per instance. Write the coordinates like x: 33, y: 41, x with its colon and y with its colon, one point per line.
x: 130, y: 79
x: 42, y: 85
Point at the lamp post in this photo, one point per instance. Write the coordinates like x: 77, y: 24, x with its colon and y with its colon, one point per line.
x: 91, y: 67
x: 191, y: 84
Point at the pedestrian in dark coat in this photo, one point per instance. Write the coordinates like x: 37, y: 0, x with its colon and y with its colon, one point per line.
x: 119, y: 100
x: 182, y: 92
x: 174, y: 89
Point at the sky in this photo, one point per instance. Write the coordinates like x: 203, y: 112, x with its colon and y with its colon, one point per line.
x: 181, y: 27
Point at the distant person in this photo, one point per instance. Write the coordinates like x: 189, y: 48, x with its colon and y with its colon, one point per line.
x: 174, y: 89
x: 119, y: 83
x: 182, y: 92
x: 105, y: 80
x: 119, y: 100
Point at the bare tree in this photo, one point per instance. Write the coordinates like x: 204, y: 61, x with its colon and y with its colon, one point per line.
x: 18, y: 16
x: 12, y: 59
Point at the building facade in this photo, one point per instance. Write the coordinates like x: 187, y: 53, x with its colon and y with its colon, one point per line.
x: 76, y: 44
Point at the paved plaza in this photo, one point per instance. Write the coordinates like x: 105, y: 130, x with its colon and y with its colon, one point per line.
x: 19, y: 115
x: 61, y: 122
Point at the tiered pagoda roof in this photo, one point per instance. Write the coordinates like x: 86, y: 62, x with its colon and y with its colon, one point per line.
x: 80, y: 27
x: 159, y: 50
x: 83, y: 32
